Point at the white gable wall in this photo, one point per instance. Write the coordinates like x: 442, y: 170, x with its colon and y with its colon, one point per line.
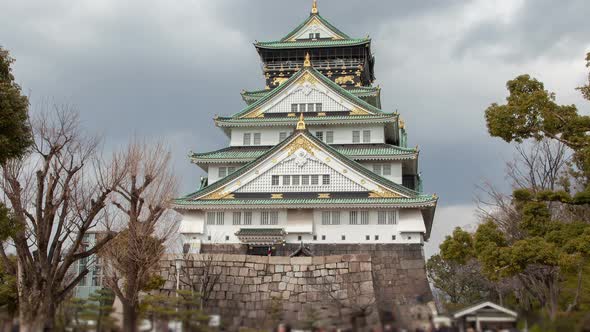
x: 396, y: 169
x: 315, y: 28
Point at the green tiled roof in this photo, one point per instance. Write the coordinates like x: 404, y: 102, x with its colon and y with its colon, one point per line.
x: 352, y: 151
x: 352, y: 164
x: 291, y: 121
x: 276, y: 44
x: 337, y: 88
x: 323, y: 20
x: 417, y: 200
x: 260, y: 232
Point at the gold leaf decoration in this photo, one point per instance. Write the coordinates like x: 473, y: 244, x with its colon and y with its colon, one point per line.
x: 300, y: 143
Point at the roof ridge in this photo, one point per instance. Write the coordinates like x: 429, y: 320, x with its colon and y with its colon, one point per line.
x: 323, y: 20
x: 338, y: 89
x: 353, y: 164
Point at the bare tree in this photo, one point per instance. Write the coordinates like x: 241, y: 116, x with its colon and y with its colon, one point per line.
x: 142, y: 199
x: 199, y: 274
x: 57, y: 193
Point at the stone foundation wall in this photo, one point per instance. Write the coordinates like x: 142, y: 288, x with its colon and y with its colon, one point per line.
x: 388, y: 280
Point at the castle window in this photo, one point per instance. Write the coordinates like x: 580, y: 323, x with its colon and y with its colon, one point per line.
x: 323, y: 237
x: 219, y: 218
x: 325, y: 217
x: 275, y: 180
x: 283, y: 135
x: 376, y: 237
x: 377, y: 169
x: 387, y: 169
x: 295, y: 179
x: 286, y: 180
x: 315, y: 237
x: 391, y: 217
x: 247, y: 137
x: 315, y: 180
x: 318, y: 107
x: 330, y: 217
x: 367, y: 237
x: 356, y: 136
x: 227, y: 238
x: 299, y: 238
x: 302, y: 107
x: 366, y: 136
x: 294, y: 108
x: 311, y: 35
x: 222, y: 172
x: 310, y: 107
x: 237, y: 218
x: 209, y: 237
x: 381, y: 217
x: 393, y: 237
x: 326, y: 179
x: 317, y: 35
x: 329, y: 137
x: 269, y: 218
x: 230, y: 169
x: 256, y: 138
x: 319, y: 135
x: 364, y: 217
x: 210, y: 218
x: 305, y: 180
x: 335, y: 217
x: 248, y: 218
x: 343, y: 237
x: 353, y: 217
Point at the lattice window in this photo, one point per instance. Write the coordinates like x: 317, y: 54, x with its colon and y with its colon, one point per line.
x: 335, y: 217
x: 269, y: 218
x: 219, y: 217
x: 282, y: 136
x: 237, y: 218
x: 210, y: 218
x: 294, y: 108
x: 329, y: 137
x: 356, y: 136
x: 247, y: 138
x: 392, y: 217
x: 222, y: 172
x: 326, y: 179
x: 248, y: 218
x: 353, y: 217
x: 366, y: 136
x: 326, y: 217
x: 330, y: 217
x: 296, y: 180
x: 257, y: 138
x: 311, y: 107
x: 286, y: 180
x: 386, y: 169
x: 275, y: 180
x: 319, y: 135
x: 318, y: 107
x: 377, y: 169
x: 305, y: 180
x: 381, y: 217
x: 364, y: 217
x: 315, y: 180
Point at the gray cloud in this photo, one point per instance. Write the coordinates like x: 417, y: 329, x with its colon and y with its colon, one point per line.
x: 162, y: 70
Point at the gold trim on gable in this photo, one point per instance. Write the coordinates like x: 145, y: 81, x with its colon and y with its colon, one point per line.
x: 315, y: 20
x: 324, y: 195
x: 358, y: 111
x: 384, y: 193
x: 300, y: 143
x: 276, y: 196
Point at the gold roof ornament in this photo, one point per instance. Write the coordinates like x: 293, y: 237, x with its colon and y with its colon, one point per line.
x: 301, y: 123
x: 314, y: 7
x: 307, y: 61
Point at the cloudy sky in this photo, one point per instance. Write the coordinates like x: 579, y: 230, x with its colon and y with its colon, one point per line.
x: 162, y: 69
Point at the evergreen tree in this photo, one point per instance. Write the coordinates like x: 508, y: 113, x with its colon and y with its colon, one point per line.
x: 15, y: 132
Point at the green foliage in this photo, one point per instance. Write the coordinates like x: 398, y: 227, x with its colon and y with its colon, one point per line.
x: 15, y: 132
x: 183, y: 307
x: 91, y: 314
x: 8, y: 290
x: 460, y: 284
x: 585, y: 89
x: 458, y: 247
x: 154, y: 282
x: 8, y: 225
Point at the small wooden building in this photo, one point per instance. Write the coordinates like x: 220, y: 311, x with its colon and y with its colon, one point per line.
x: 485, y: 316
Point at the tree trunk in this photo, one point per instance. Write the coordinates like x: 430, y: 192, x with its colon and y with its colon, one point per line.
x: 129, y: 317
x: 36, y: 314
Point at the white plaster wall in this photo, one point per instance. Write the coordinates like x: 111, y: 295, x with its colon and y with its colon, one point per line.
x: 342, y: 134
x: 396, y: 169
x: 306, y: 224
x: 213, y: 171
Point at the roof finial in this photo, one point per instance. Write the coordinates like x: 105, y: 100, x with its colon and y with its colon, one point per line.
x: 307, y: 61
x: 301, y: 123
x: 314, y: 7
